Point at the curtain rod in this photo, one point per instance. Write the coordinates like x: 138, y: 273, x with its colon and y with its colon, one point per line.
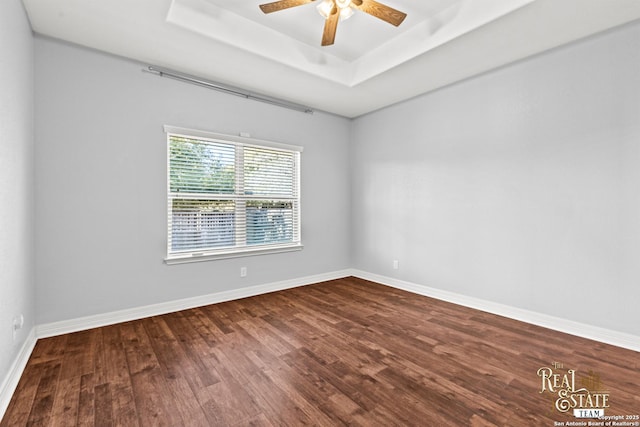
x: 163, y: 72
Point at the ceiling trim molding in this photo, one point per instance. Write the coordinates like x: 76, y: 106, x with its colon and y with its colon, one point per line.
x: 420, y: 35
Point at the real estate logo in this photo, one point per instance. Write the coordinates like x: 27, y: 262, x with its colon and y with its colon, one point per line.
x: 587, y: 399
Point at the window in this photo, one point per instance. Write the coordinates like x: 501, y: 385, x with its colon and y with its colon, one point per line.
x: 230, y: 196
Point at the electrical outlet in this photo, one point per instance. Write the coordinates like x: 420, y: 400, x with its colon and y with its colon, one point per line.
x: 17, y: 324
x: 243, y: 271
x: 396, y: 265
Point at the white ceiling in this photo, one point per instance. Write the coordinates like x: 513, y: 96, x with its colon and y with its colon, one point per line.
x: 372, y: 63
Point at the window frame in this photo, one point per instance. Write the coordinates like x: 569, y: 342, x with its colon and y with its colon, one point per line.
x: 239, y: 142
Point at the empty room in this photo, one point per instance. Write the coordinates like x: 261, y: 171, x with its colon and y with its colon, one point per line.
x: 320, y: 212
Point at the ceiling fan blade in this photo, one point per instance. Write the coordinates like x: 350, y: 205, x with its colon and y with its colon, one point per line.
x: 330, y: 27
x: 282, y: 4
x: 381, y: 11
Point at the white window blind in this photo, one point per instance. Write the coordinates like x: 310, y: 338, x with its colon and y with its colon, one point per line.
x: 230, y: 196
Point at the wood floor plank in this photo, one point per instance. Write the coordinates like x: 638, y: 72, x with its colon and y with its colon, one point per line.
x: 66, y: 402
x: 236, y: 398
x: 117, y: 374
x: 103, y: 415
x: 178, y: 371
x: 195, y: 349
x: 19, y: 409
x: 153, y: 401
x: 343, y: 352
x: 40, y: 414
x: 86, y: 405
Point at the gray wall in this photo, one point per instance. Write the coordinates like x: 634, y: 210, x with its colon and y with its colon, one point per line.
x: 16, y: 179
x: 520, y: 186
x: 101, y: 185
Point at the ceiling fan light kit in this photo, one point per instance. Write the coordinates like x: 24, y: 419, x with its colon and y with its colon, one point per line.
x: 324, y: 8
x: 339, y: 10
x: 346, y: 13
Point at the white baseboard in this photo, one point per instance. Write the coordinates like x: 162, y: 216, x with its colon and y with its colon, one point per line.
x: 619, y: 339
x: 7, y: 389
x: 104, y: 319
x: 10, y: 382
x: 607, y: 336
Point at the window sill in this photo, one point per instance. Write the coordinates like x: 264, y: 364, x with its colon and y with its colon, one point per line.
x: 212, y: 256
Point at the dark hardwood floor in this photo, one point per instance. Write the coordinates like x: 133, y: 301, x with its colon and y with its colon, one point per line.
x: 345, y: 352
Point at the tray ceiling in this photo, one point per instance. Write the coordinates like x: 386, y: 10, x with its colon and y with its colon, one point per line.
x: 371, y: 65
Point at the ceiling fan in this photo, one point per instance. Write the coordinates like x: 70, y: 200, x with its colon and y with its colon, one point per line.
x: 335, y: 10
